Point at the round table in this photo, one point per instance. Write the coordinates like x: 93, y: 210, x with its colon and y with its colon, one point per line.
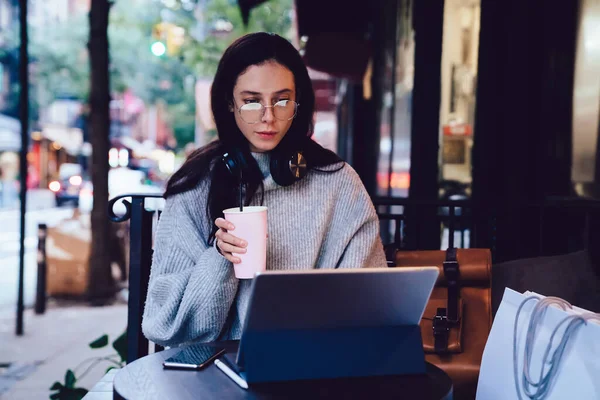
x: 146, y: 379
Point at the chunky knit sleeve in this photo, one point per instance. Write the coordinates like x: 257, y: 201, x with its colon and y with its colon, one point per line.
x: 352, y: 239
x: 364, y: 248
x: 192, y: 287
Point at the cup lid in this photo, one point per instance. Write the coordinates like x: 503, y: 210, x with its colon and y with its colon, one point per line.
x: 247, y: 209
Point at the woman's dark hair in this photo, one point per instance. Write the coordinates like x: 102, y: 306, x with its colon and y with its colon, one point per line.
x: 249, y: 50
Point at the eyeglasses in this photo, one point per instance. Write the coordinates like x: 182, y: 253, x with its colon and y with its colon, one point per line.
x: 283, y: 110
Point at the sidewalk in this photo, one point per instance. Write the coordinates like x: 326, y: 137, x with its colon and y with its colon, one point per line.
x: 53, y: 343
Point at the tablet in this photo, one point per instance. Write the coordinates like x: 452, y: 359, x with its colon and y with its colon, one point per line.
x: 336, y: 298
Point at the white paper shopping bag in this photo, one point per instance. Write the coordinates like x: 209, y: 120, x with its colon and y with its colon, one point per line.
x: 578, y: 373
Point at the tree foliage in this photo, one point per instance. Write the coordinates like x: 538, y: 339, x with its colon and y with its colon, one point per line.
x: 60, y: 61
x: 204, y: 47
x: 61, y: 65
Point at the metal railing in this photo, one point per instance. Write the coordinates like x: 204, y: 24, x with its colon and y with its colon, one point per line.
x: 140, y: 261
x: 556, y: 225
x: 398, y: 215
x: 400, y: 218
x: 141, y: 249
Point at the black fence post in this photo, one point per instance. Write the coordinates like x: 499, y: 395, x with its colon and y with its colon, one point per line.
x: 140, y: 261
x: 139, y: 271
x: 42, y: 270
x: 24, y: 118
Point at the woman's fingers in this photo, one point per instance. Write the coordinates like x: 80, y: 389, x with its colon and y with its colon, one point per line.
x: 222, y: 223
x: 231, y: 258
x: 223, y: 249
x: 228, y: 238
x: 227, y: 242
x: 228, y: 248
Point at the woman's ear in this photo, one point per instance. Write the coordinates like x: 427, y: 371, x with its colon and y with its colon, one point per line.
x: 230, y: 107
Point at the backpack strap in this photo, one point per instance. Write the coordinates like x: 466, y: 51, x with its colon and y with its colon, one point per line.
x: 447, y: 317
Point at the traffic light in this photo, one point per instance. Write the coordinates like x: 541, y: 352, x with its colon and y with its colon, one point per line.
x: 175, y: 39
x: 158, y: 48
x: 168, y: 39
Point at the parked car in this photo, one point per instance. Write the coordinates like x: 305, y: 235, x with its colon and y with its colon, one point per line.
x: 120, y: 181
x: 68, y: 185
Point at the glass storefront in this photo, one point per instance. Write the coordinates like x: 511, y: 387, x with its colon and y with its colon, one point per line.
x: 458, y: 73
x: 393, y: 177
x: 585, y: 172
x: 457, y: 109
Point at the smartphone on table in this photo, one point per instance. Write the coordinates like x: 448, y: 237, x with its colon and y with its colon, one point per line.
x: 193, y: 357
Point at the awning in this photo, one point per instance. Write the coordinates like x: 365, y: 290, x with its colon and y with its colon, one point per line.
x: 339, y: 46
x: 341, y: 16
x: 333, y: 44
x: 338, y: 54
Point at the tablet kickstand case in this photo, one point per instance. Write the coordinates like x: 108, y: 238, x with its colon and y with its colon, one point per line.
x: 271, y: 356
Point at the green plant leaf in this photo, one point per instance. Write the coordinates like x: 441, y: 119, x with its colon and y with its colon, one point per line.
x: 56, y: 386
x: 120, y: 345
x: 70, y: 379
x: 100, y: 342
x: 65, y: 393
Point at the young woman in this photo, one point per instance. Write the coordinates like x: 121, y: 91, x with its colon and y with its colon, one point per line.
x: 262, y: 101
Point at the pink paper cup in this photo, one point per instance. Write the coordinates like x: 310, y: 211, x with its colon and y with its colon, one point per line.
x: 250, y: 225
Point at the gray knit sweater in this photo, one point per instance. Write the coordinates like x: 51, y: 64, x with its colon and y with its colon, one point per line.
x: 326, y: 220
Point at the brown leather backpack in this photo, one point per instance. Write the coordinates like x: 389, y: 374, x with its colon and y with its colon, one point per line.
x: 458, y: 318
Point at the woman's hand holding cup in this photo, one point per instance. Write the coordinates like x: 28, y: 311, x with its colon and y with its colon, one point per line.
x: 249, y: 256
x: 228, y: 243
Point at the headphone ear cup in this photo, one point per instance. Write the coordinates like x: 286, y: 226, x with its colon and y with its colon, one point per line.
x: 230, y: 164
x: 234, y: 162
x: 288, y: 168
x: 279, y: 174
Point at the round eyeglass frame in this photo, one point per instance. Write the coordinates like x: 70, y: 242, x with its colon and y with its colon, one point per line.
x: 264, y: 110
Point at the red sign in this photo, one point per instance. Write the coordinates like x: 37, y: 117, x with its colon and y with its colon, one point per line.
x: 458, y: 130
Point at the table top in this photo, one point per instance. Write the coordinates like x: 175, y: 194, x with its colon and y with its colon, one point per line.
x: 146, y: 379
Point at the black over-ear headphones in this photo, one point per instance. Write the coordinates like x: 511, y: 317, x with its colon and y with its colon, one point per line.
x: 286, y: 167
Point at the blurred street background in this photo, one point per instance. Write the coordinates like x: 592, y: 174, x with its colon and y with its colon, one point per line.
x: 163, y: 55
x: 43, y: 210
x: 491, y: 103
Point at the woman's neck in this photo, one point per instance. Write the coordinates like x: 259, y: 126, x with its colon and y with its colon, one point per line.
x: 263, y: 160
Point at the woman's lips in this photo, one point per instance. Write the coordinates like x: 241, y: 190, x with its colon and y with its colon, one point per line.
x: 266, y: 134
